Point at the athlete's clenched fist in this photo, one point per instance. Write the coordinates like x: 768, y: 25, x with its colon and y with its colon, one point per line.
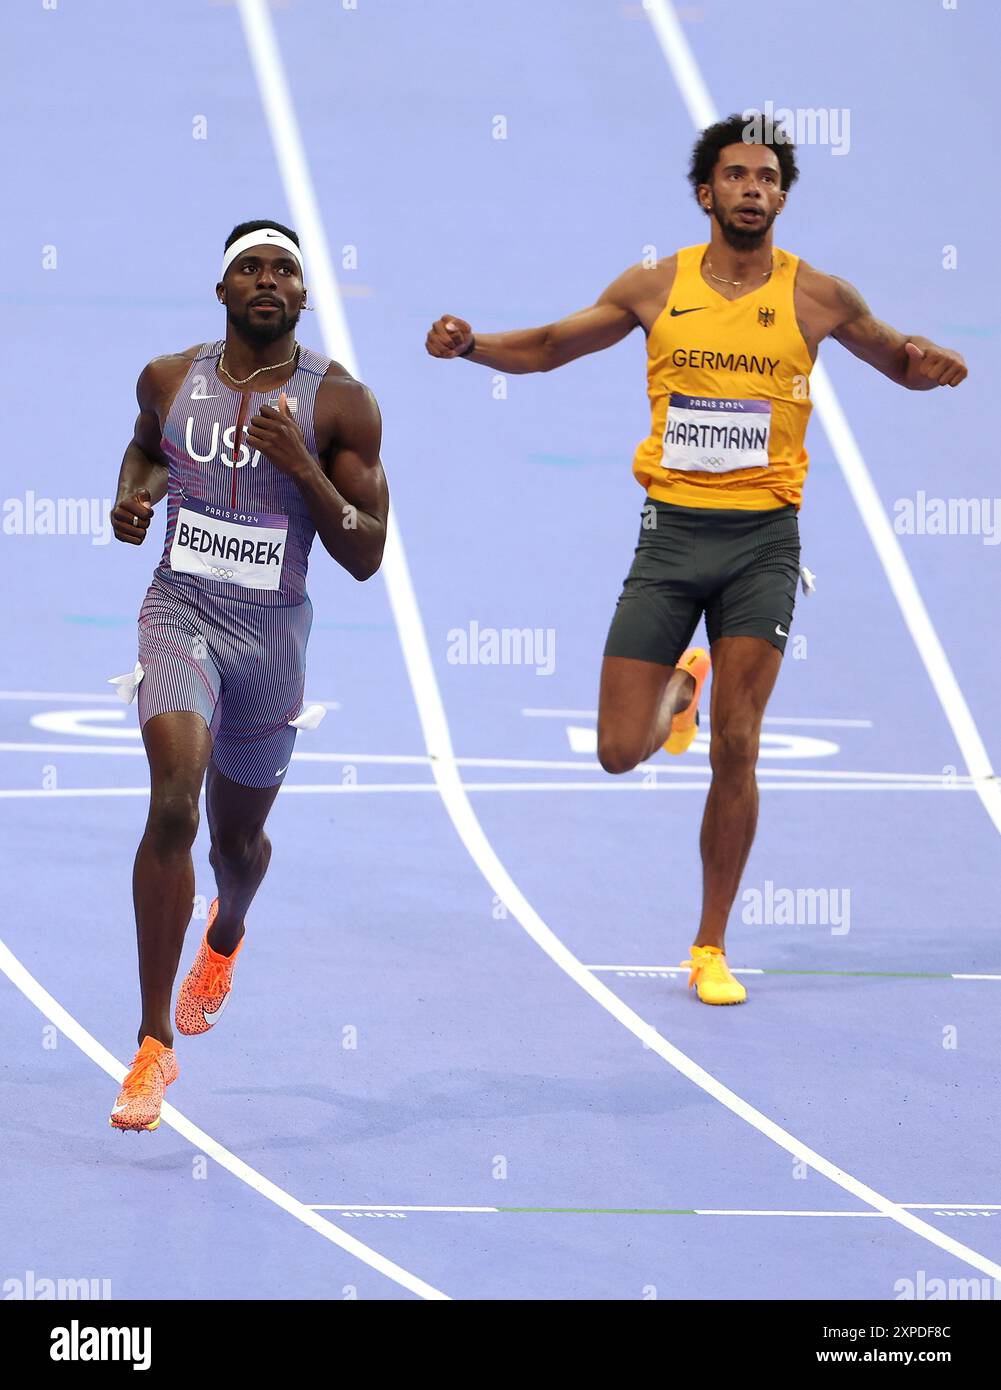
x: 277, y: 436
x: 941, y: 366
x: 449, y: 337
x: 130, y: 518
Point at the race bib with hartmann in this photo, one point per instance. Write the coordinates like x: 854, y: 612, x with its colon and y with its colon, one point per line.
x: 232, y: 546
x: 716, y: 436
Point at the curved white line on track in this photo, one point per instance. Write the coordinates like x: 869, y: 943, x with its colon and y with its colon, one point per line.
x: 70, y: 1028
x: 290, y: 155
x: 701, y: 109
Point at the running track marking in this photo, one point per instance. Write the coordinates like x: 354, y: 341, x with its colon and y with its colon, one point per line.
x: 646, y: 971
x: 540, y: 713
x: 768, y: 719
x: 290, y: 156
x: 702, y: 110
x: 694, y: 769
x: 204, y: 1143
x: 102, y: 698
x: 365, y: 1209
x: 360, y: 788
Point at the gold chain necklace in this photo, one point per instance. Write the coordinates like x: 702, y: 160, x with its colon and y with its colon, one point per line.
x: 272, y: 368
x: 737, y: 283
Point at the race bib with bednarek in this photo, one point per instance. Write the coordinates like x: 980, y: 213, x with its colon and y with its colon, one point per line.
x: 716, y: 436
x: 244, y: 548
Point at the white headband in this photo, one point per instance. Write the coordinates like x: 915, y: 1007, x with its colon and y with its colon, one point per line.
x: 267, y: 236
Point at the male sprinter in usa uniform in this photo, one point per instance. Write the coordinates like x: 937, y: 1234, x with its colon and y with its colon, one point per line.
x: 258, y: 444
x: 732, y: 328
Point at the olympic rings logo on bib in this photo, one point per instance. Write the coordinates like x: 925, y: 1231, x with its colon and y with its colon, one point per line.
x: 737, y: 432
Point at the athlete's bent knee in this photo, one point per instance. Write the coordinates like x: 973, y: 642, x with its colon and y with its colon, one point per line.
x: 615, y: 756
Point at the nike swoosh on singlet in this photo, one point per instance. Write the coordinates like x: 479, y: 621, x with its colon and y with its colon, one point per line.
x: 676, y: 312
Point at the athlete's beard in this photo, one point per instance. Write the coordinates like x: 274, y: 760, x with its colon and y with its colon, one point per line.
x: 743, y: 238
x: 264, y: 332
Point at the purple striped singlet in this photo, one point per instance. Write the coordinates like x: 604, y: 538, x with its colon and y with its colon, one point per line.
x: 225, y: 622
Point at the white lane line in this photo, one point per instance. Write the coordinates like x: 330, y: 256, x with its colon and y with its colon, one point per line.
x: 656, y: 970
x: 661, y: 969
x: 720, y: 1211
x: 953, y: 1206
x: 702, y: 111
x: 204, y: 1143
x: 769, y: 719
x: 694, y: 769
x: 366, y: 788
x: 301, y: 197
x: 364, y: 1206
x: 103, y: 698
x: 353, y: 1207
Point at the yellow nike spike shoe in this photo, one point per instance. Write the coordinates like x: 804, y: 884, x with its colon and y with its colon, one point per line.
x: 712, y: 978
x: 684, y: 726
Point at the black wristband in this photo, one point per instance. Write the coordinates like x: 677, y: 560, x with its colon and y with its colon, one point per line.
x: 469, y: 349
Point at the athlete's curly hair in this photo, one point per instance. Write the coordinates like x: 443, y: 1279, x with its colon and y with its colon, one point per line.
x: 244, y: 227
x: 736, y: 130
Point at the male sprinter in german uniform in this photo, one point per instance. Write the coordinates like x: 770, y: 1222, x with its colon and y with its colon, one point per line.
x: 258, y: 444
x: 732, y: 331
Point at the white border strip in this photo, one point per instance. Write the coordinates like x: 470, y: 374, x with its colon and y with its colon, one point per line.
x: 360, y: 788
x: 266, y: 59
x: 70, y: 1028
x: 768, y: 719
x: 353, y: 1208
x: 422, y: 760
x: 702, y: 111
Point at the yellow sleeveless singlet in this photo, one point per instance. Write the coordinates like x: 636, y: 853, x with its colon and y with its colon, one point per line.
x: 729, y: 383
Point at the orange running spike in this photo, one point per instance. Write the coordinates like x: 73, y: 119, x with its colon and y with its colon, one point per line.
x: 153, y: 1069
x: 206, y: 988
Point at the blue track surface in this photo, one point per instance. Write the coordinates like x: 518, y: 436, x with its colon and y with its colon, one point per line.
x: 483, y: 1075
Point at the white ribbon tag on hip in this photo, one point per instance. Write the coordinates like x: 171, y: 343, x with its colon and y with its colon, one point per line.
x: 309, y: 717
x: 127, y: 685
x: 807, y: 578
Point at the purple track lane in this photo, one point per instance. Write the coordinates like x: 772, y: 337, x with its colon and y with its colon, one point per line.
x: 397, y: 1039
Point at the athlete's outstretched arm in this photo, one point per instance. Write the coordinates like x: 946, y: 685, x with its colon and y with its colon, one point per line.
x: 909, y: 360
x: 143, y: 474
x: 603, y: 324
x: 347, y: 495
